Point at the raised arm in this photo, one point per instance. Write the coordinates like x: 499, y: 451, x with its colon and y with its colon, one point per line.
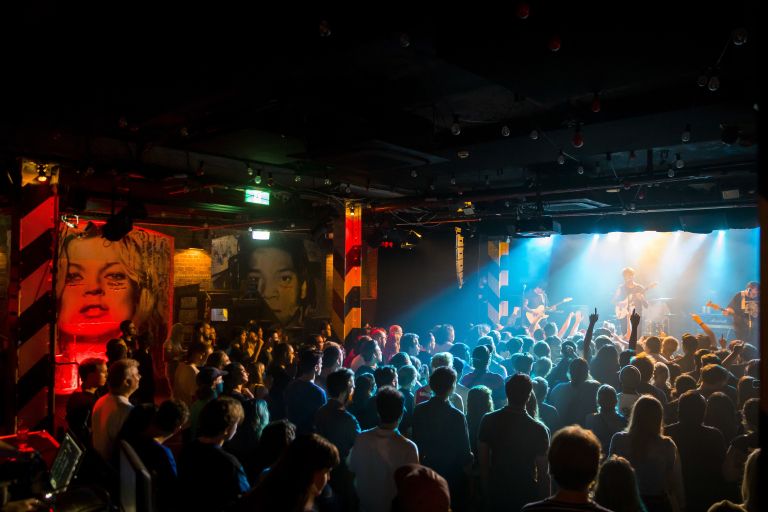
x: 565, y: 325
x: 707, y: 330
x: 634, y: 321
x: 587, y: 347
x: 576, y: 323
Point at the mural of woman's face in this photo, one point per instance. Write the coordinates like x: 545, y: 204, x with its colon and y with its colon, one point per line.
x: 277, y: 281
x: 97, y: 293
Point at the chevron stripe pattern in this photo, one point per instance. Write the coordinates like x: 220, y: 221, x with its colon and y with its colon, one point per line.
x: 346, y: 311
x: 498, y: 281
x: 31, y: 302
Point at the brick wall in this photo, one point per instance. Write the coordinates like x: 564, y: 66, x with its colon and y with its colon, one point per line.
x: 192, y: 266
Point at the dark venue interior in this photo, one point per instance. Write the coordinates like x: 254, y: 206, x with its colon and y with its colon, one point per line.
x: 382, y: 258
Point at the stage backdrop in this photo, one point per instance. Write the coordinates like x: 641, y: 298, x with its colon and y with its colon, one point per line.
x: 101, y: 283
x: 280, y: 281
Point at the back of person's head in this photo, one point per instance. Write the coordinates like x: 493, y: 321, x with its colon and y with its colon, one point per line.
x: 691, y: 408
x: 481, y: 357
x: 496, y: 335
x: 714, y: 375
x: 629, y: 378
x: 669, y: 345
x: 281, y: 353
x: 540, y: 388
x: 338, y: 382
x: 406, y: 376
x: 171, y: 415
x: 443, y: 333
x: 645, y: 365
x: 542, y: 367
x: 616, y: 487
x: 458, y: 365
x: 219, y: 416
x: 653, y: 344
x: 699, y: 354
x: 684, y: 383
x: 389, y: 404
x: 578, y: 370
x: 751, y: 414
x: 309, y: 360
x: 138, y: 421
x: 441, y: 359
x: 479, y: 402
x: 725, y: 506
x: 674, y: 371
x: 750, y: 483
x: 217, y: 359
x: 116, y: 351
x: 515, y: 345
x: 528, y: 343
x: 538, y: 335
x: 364, y: 386
x: 606, y: 398
x: 625, y: 357
x: 408, y: 342
x: 603, y: 341
x: 523, y: 363
x: 574, y: 457
x: 442, y: 381
x: 710, y: 359
x: 331, y: 355
x: 197, y: 351
x: 385, y: 376
x: 420, y: 489
x: 748, y: 387
x: 690, y: 343
x: 275, y: 438
x: 460, y: 350
x: 646, y: 419
x: 399, y: 360
x: 518, y: 389
x: 289, y: 483
x: 234, y: 375
x: 720, y: 408
x: 541, y: 349
x: 119, y: 375
x: 89, y: 366
x: 550, y: 329
x: 368, y: 350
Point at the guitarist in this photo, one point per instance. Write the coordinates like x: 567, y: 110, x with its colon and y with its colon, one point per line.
x: 745, y: 309
x: 634, y: 295
x: 533, y: 299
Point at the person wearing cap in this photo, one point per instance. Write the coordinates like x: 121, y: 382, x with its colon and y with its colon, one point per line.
x: 420, y: 489
x: 208, y: 381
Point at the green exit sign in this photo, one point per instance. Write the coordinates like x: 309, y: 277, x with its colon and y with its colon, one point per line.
x: 257, y: 196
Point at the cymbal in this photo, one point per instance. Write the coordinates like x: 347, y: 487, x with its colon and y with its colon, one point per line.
x: 659, y: 299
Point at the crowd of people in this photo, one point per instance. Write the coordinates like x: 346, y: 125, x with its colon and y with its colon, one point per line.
x: 500, y: 418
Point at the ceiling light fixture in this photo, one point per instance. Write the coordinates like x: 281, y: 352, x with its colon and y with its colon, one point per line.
x: 257, y: 179
x: 686, y: 136
x: 42, y: 175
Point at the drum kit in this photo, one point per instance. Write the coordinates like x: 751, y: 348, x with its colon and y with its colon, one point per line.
x: 658, y: 316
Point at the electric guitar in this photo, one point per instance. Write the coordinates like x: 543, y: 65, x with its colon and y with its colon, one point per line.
x: 540, y: 311
x: 624, y: 307
x: 717, y: 307
x: 752, y: 310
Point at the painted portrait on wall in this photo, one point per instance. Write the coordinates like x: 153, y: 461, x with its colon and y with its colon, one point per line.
x: 102, y: 283
x: 283, y: 275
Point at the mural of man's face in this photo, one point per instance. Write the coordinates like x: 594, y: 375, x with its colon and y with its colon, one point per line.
x: 97, y: 294
x: 277, y: 281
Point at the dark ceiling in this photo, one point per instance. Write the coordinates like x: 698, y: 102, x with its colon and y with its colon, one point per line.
x: 172, y: 107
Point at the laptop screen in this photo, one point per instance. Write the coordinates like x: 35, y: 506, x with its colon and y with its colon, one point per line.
x: 65, y: 464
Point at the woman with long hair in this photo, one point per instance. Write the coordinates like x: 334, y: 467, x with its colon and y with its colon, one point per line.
x: 479, y: 403
x: 721, y: 414
x: 653, y: 455
x: 616, y: 487
x: 297, y: 478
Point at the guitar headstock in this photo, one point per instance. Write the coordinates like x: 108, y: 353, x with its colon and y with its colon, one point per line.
x: 567, y: 299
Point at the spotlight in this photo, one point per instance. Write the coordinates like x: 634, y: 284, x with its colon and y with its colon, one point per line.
x: 679, y: 163
x: 739, y: 36
x: 405, y: 40
x: 578, y: 138
x: 580, y: 169
x: 270, y: 180
x: 671, y: 172
x: 596, y: 106
x: 257, y: 179
x: 327, y: 181
x: 505, y: 131
x: 714, y: 83
x: 414, y: 173
x: 249, y: 171
x: 561, y: 158
x: 453, y: 179
x: 534, y: 135
x: 297, y: 178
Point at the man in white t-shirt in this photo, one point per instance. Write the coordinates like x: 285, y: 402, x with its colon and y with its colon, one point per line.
x: 378, y: 452
x: 111, y: 410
